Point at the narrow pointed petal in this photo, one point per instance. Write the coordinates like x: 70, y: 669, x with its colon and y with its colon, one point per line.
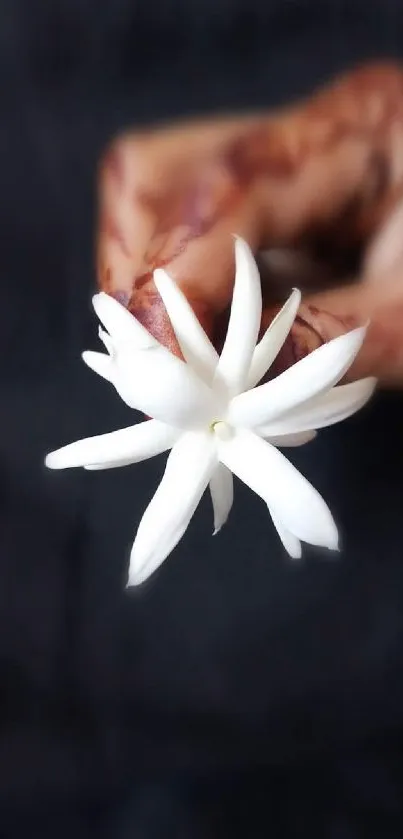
x: 133, y: 444
x: 328, y: 408
x: 165, y: 442
x: 290, y: 542
x: 119, y: 322
x: 186, y: 477
x: 290, y: 440
x: 162, y: 386
x: 244, y: 322
x: 222, y: 495
x: 196, y: 347
x: 270, y: 345
x: 100, y: 363
x: 289, y: 495
x: 314, y: 374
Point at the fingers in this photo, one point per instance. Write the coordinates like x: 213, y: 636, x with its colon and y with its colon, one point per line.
x: 345, y: 203
x: 313, y: 184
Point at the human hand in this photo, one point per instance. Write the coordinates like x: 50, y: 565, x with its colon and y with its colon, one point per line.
x: 316, y: 190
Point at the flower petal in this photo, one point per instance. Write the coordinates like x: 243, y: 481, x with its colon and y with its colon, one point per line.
x: 289, y: 495
x: 222, y: 495
x: 273, y: 339
x: 315, y: 373
x: 290, y: 440
x: 290, y: 542
x: 162, y: 386
x: 119, y: 322
x: 100, y: 363
x: 244, y: 322
x: 133, y: 444
x: 196, y: 347
x: 187, y: 474
x: 328, y: 408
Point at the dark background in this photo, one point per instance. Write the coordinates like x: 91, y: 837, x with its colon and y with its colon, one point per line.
x: 237, y: 695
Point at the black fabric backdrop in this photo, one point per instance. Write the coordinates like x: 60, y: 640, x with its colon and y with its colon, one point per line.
x: 238, y: 694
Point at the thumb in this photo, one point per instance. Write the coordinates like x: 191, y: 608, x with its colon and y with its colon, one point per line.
x: 330, y: 314
x: 377, y: 298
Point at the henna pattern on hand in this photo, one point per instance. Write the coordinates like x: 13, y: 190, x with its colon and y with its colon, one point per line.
x: 319, y: 178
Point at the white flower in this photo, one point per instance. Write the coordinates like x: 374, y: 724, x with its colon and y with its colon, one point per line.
x: 209, y: 412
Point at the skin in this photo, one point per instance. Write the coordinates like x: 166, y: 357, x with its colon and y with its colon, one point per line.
x: 316, y: 190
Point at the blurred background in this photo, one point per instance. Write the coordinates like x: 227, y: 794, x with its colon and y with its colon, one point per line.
x: 239, y: 694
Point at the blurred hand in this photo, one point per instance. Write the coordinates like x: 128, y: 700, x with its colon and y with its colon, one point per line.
x: 316, y: 190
